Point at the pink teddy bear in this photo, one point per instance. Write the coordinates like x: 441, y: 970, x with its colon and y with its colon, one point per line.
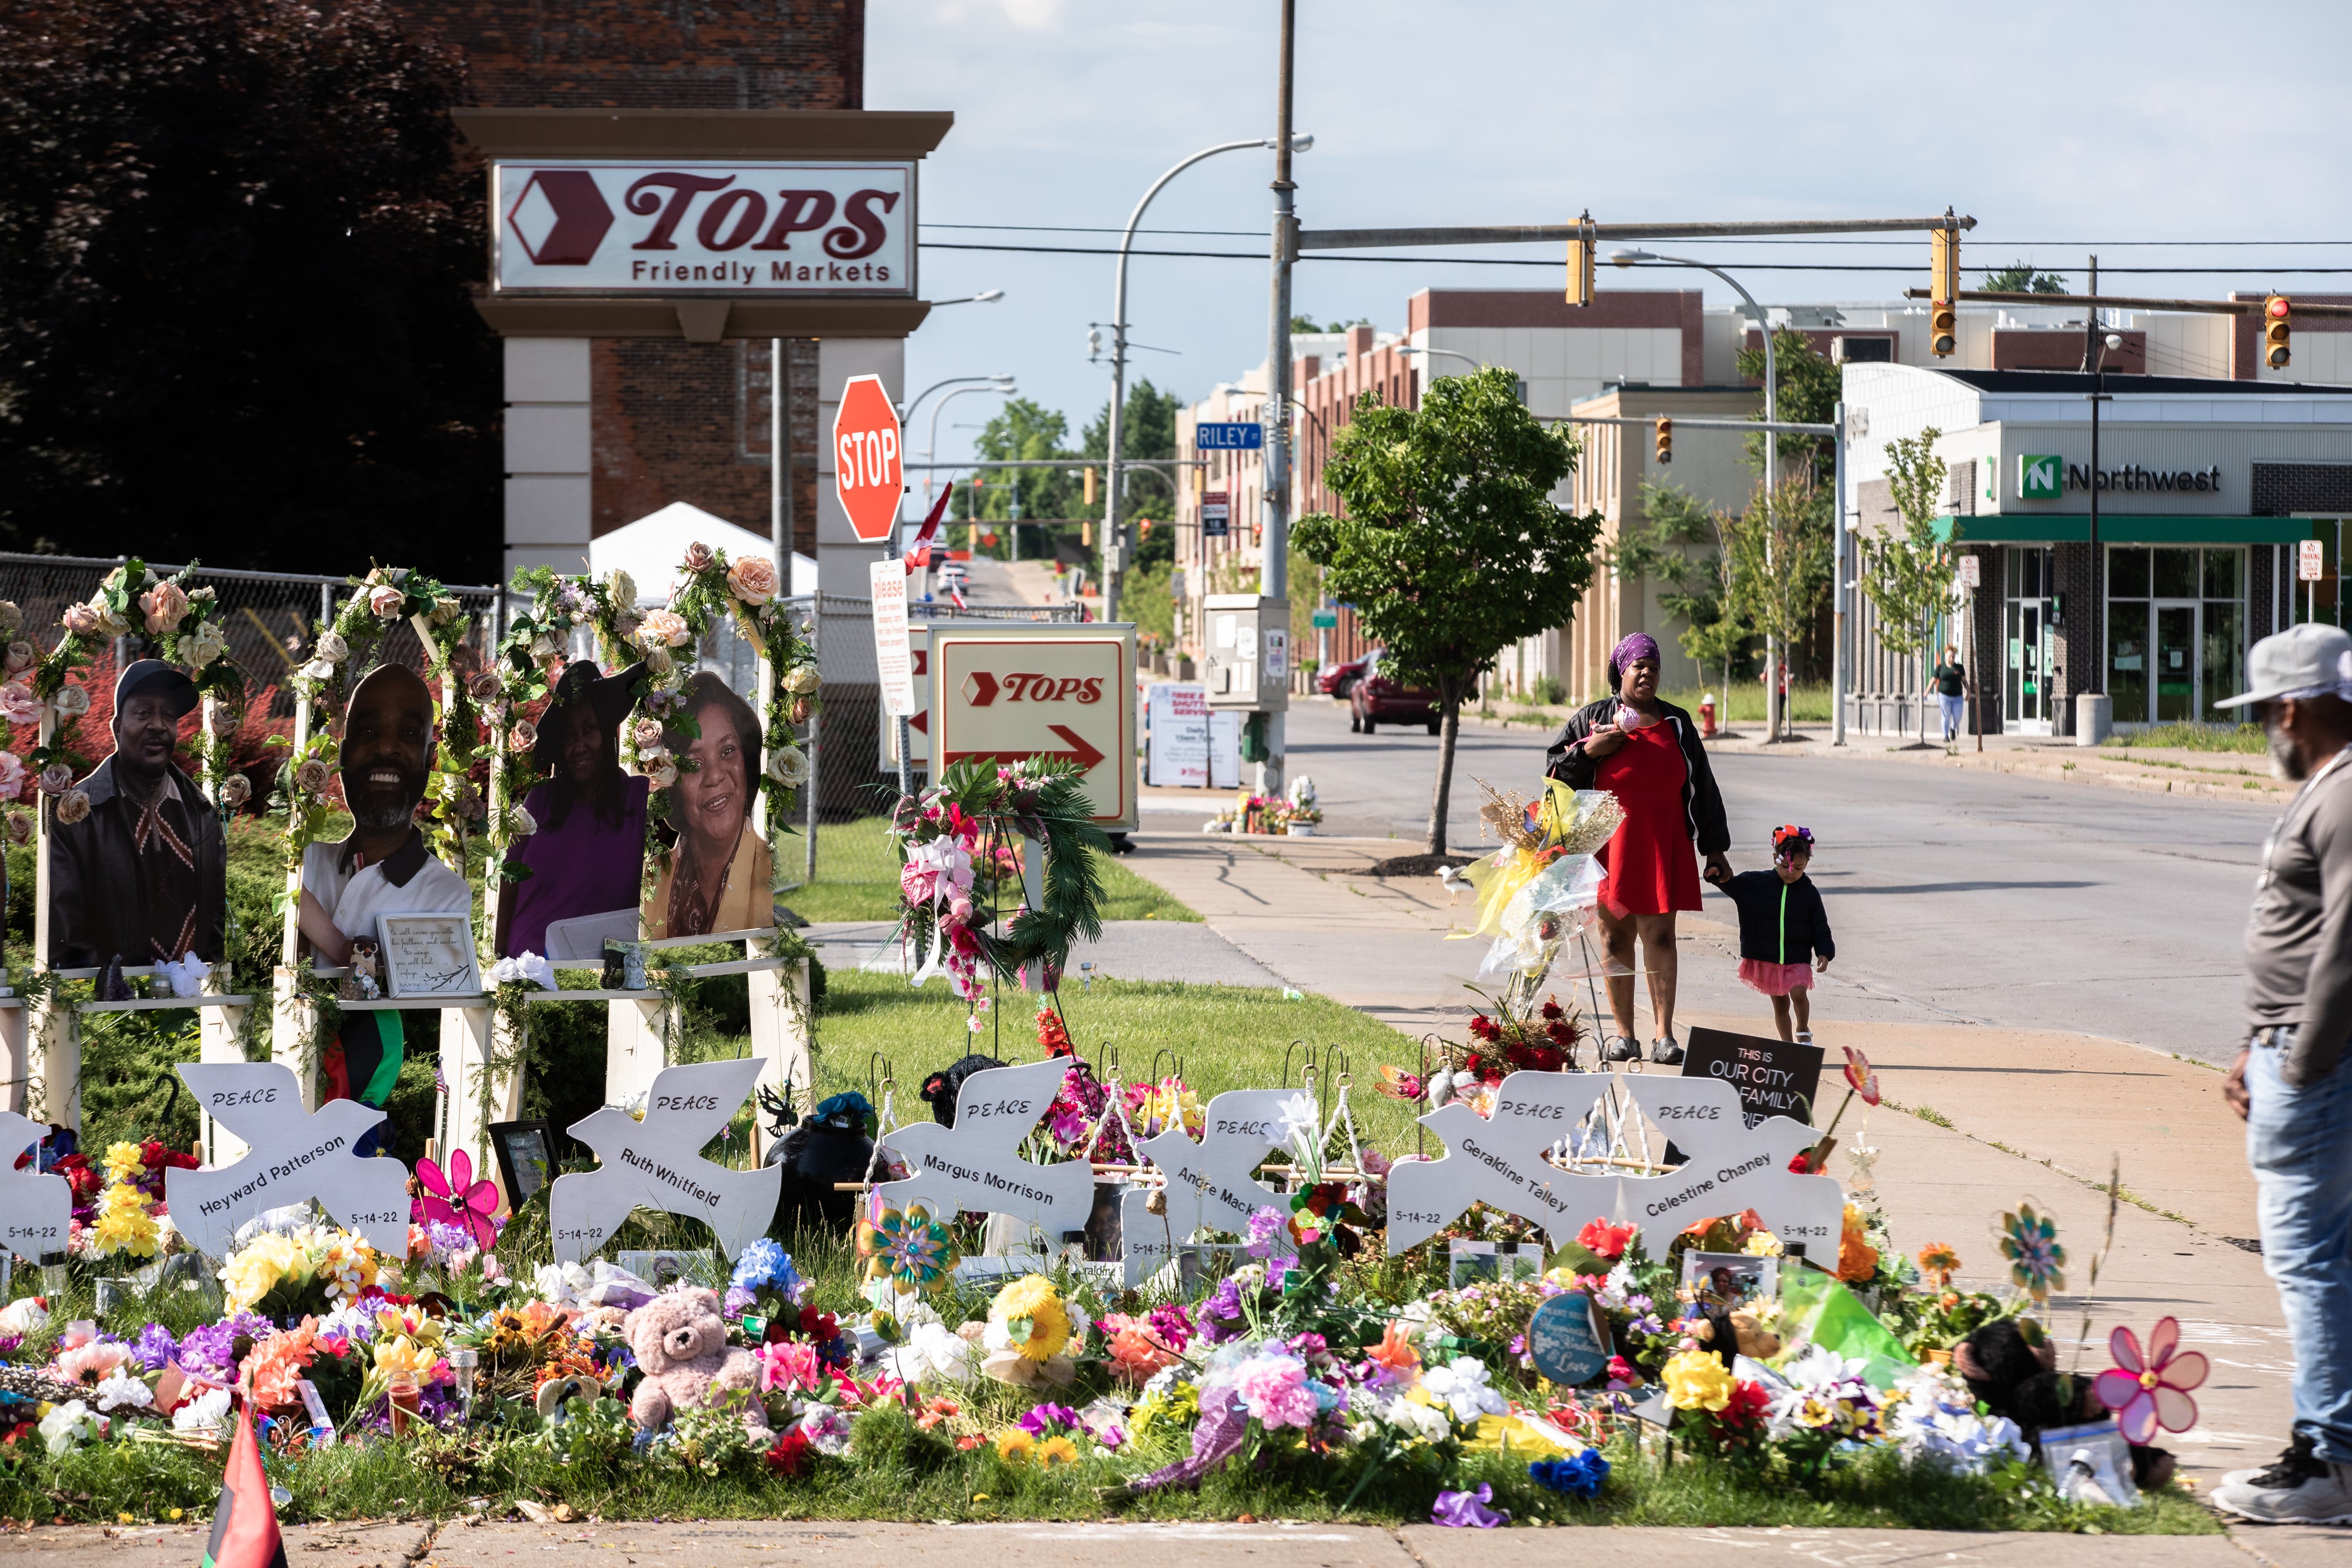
x: 680, y: 1343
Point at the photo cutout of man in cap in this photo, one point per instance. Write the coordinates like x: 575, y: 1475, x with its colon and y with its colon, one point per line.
x: 588, y: 857
x: 383, y: 868
x: 144, y: 876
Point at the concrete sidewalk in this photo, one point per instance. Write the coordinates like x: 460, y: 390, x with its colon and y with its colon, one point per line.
x: 802, y: 1543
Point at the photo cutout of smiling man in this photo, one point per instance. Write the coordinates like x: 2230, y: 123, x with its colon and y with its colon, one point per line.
x: 719, y: 873
x: 383, y: 868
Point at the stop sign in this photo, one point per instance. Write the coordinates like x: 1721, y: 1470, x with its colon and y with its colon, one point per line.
x: 866, y: 474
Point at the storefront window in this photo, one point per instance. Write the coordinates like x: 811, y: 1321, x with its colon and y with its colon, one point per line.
x: 2176, y: 632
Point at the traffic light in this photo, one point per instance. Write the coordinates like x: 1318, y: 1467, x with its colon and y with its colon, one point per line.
x: 2275, y: 326
x: 1580, y: 251
x: 1666, y: 439
x: 1944, y: 291
x: 1090, y: 487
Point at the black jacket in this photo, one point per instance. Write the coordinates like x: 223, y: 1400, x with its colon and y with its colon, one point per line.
x: 1779, y: 922
x: 1567, y: 760
x: 96, y: 909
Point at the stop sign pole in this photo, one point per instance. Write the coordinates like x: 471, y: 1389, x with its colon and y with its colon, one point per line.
x: 869, y: 479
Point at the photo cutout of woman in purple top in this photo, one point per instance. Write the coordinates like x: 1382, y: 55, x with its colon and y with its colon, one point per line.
x: 588, y: 857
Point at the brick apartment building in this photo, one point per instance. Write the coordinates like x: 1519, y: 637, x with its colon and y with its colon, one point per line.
x: 660, y: 420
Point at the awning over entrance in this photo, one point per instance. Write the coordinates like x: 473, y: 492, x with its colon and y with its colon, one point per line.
x: 2074, y: 527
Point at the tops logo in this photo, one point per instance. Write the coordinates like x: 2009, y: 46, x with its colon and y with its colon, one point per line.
x: 737, y: 229
x: 981, y: 689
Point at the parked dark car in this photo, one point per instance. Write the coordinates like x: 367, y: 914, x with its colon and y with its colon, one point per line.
x: 1379, y: 698
x: 1338, y: 680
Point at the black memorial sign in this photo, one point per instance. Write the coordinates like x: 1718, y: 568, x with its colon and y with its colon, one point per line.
x: 1774, y: 1077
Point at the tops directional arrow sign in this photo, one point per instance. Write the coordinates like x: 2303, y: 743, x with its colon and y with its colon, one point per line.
x: 1015, y: 691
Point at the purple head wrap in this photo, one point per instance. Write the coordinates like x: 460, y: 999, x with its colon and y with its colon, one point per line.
x: 1636, y: 645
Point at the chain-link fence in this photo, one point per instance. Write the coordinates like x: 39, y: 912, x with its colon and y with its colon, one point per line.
x: 270, y: 618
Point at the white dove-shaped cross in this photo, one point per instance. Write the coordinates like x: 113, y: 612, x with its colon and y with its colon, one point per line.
x: 976, y: 1164
x: 291, y: 1156
x: 1732, y: 1167
x: 657, y: 1163
x: 1210, y: 1184
x: 1499, y: 1162
x: 36, y: 1210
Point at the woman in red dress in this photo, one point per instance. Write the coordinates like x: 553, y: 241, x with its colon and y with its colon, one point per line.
x: 1646, y: 752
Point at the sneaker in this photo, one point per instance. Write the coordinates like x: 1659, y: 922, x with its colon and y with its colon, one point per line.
x: 2301, y: 1489
x: 2295, y: 1454
x: 1624, y: 1048
x: 1666, y: 1052
x: 1804, y: 1037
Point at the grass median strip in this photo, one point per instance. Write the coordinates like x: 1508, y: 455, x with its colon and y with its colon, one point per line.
x: 857, y: 878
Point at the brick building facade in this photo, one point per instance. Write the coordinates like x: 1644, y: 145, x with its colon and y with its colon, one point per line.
x: 672, y: 421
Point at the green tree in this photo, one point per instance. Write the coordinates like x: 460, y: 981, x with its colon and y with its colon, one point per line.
x: 1807, y: 393
x: 1452, y: 549
x: 1780, y: 552
x: 1909, y: 575
x: 1026, y: 431
x: 238, y: 240
x: 1147, y: 429
x: 1694, y: 589
x: 1305, y: 325
x: 2020, y: 277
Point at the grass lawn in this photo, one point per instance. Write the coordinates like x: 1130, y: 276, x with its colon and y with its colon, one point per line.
x: 857, y: 878
x: 2247, y: 737
x: 1220, y: 1037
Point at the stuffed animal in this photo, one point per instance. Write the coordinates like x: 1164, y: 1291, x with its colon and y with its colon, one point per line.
x: 680, y: 1343
x: 2011, y: 1366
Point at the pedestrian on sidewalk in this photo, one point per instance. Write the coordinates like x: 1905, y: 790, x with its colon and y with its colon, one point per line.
x: 1952, y: 693
x: 1784, y: 931
x: 1646, y: 751
x: 2292, y: 1081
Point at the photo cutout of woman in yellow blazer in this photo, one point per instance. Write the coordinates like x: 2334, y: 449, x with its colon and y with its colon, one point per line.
x: 719, y: 870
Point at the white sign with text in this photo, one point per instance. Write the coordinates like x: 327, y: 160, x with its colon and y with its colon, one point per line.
x: 1212, y: 1184
x: 35, y: 1209
x: 894, y: 664
x: 657, y: 1163
x: 976, y: 1164
x: 292, y: 1155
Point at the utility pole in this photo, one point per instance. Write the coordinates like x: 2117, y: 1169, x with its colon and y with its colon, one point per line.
x: 1274, y: 556
x: 2091, y: 713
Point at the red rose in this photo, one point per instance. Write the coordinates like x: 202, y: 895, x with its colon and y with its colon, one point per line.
x: 790, y: 1455
x: 1552, y: 1008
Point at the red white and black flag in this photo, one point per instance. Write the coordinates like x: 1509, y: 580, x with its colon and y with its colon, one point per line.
x: 244, y: 1525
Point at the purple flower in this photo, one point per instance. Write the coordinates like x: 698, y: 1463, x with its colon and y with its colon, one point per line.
x: 1468, y: 1510
x: 208, y: 1349
x: 1173, y: 1324
x: 1221, y: 1314
x: 739, y: 1302
x: 1264, y: 1227
x: 155, y: 1347
x: 1047, y: 1420
x: 1276, y: 1271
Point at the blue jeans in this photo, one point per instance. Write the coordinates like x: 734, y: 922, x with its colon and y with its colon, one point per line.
x: 1955, y: 710
x: 2299, y: 1141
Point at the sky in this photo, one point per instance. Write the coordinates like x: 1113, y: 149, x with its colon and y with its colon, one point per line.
x: 2062, y: 129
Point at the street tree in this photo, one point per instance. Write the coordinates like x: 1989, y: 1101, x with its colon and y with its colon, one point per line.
x: 1694, y: 588
x: 1780, y: 552
x: 2023, y: 278
x: 236, y: 240
x: 1451, y: 548
x: 1807, y: 394
x: 1909, y: 575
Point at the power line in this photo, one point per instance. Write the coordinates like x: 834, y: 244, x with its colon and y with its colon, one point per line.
x: 1553, y: 264
x: 1974, y: 241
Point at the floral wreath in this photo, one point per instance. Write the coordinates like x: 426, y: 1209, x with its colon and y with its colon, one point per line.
x: 168, y: 616
x: 958, y: 839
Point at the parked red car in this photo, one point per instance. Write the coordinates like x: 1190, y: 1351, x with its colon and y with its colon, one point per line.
x: 1379, y: 698
x: 1338, y: 680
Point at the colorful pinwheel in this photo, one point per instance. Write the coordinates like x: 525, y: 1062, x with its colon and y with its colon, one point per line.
x: 2151, y: 1390
x: 2030, y: 1241
x: 910, y: 1247
x: 455, y: 1197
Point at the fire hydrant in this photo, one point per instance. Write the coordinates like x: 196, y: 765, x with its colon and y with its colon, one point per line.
x: 1707, y: 714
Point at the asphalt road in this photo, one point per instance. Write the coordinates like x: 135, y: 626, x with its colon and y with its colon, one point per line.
x: 1956, y: 897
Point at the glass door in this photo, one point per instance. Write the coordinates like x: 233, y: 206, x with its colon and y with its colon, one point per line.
x: 2028, y: 638
x: 2174, y: 675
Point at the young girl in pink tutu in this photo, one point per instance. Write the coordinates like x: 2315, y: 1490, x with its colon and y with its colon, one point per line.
x: 1784, y: 931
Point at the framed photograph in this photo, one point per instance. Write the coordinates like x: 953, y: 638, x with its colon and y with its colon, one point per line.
x: 1731, y: 1280
x: 2090, y: 1463
x: 525, y: 1153
x: 428, y: 955
x: 1469, y: 1262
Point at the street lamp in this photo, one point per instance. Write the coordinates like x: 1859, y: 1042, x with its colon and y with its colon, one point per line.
x: 1449, y: 353
x: 2093, y: 731
x: 1771, y: 454
x: 907, y: 409
x: 931, y: 450
x: 985, y: 297
x: 1111, y: 465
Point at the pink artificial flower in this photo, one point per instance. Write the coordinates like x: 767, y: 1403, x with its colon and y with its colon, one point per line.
x: 1860, y: 1077
x: 455, y: 1197
x: 76, y: 1334
x: 1274, y: 1389
x: 790, y: 1364
x: 12, y: 775
x: 92, y: 1362
x: 18, y: 703
x: 2151, y: 1390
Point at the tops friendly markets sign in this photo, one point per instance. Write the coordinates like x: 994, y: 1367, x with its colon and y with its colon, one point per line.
x: 686, y: 227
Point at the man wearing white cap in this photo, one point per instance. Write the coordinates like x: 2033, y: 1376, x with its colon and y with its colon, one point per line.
x: 2291, y: 1081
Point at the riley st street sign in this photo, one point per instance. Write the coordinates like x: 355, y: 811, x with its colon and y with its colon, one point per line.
x: 687, y: 227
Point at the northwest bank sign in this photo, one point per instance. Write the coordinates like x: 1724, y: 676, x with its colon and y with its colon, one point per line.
x: 597, y: 226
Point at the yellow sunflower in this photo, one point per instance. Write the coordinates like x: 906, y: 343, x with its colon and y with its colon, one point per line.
x: 1016, y: 1447
x: 1057, y: 1450
x: 1030, y: 1312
